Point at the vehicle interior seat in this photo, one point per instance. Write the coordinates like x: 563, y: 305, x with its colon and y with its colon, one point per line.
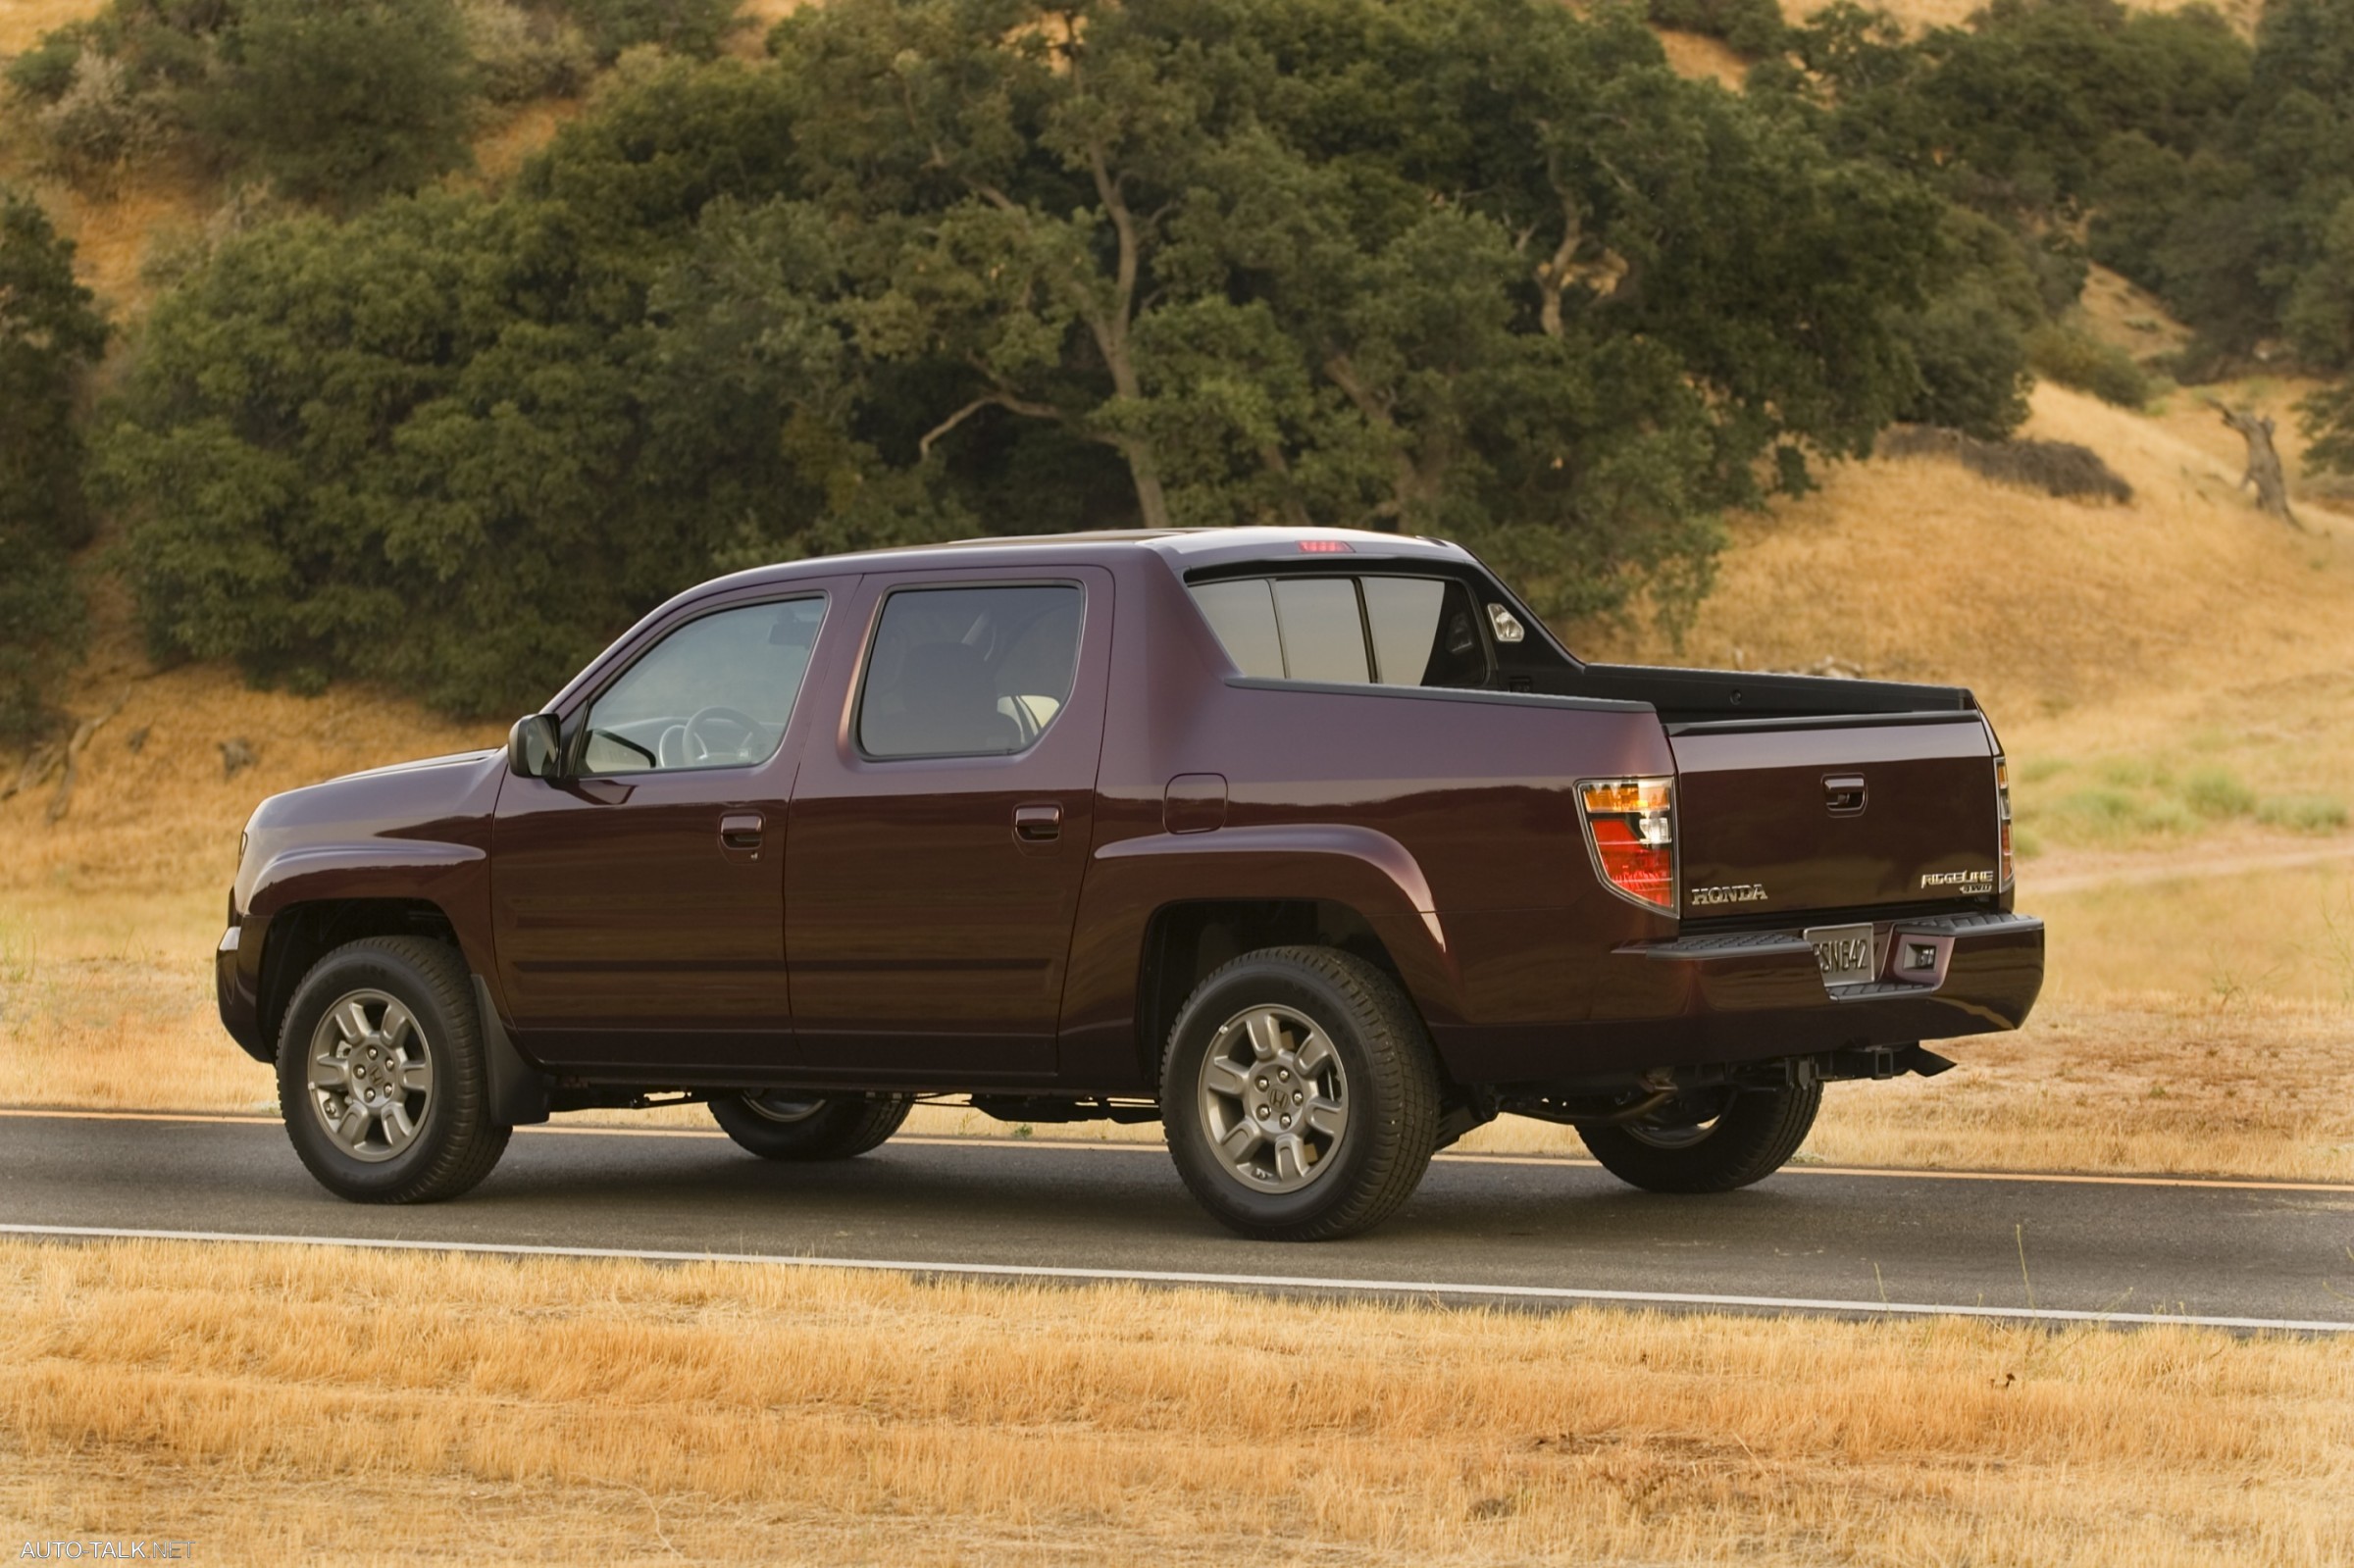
x: 949, y: 703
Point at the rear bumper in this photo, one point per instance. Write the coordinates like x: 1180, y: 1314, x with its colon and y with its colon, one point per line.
x: 1701, y: 1000
x: 1986, y: 972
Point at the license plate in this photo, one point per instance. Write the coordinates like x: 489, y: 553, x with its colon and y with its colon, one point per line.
x: 1844, y: 954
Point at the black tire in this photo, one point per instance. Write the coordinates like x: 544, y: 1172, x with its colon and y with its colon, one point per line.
x: 1392, y: 1095
x: 816, y: 1127
x: 455, y: 1144
x: 1750, y: 1139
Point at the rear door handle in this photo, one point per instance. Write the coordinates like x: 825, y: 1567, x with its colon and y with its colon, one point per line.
x: 1037, y: 825
x: 740, y: 832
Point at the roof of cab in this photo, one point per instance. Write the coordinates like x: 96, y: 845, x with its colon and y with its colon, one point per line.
x: 1184, y: 549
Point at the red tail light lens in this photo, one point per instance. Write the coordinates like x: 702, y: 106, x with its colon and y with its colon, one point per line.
x: 1630, y: 827
x: 2002, y: 813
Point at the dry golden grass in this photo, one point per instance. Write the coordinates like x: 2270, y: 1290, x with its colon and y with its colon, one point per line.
x: 1702, y: 58
x: 1916, y: 571
x: 361, y: 1407
x: 501, y: 151
x: 23, y: 21
x: 1918, y: 15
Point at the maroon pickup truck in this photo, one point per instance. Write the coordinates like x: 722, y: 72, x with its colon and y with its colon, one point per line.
x: 1311, y: 846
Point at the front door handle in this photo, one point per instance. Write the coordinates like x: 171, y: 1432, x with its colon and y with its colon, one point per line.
x: 739, y: 832
x: 1037, y: 825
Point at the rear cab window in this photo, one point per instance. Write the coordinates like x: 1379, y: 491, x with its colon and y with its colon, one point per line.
x: 1355, y: 629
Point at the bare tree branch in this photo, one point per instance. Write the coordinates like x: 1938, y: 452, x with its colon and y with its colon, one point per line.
x: 996, y: 399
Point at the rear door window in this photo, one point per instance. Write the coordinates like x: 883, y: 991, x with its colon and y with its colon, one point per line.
x: 969, y: 672
x: 1392, y: 631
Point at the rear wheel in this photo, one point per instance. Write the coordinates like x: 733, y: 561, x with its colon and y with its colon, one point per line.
x: 381, y: 1074
x: 1742, y: 1136
x: 782, y: 1125
x: 1300, y: 1095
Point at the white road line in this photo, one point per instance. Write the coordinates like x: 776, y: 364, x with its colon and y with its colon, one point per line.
x: 1262, y: 1281
x: 1549, y: 1161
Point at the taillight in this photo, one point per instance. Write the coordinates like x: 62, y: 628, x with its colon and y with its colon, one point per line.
x: 1630, y: 826
x: 2002, y: 813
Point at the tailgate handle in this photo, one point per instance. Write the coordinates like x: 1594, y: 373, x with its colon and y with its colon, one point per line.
x: 1843, y: 793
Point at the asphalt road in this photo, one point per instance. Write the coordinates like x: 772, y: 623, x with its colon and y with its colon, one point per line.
x: 1534, y: 1231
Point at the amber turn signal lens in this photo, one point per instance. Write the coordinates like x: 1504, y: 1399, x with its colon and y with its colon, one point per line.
x: 1630, y: 826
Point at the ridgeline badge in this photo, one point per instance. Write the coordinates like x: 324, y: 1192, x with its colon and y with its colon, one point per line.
x: 1960, y: 881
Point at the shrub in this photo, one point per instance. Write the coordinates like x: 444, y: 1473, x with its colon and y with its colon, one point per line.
x: 1973, y: 365
x: 1752, y: 27
x: 521, y: 53
x: 46, y: 71
x: 339, y: 100
x: 2057, y: 468
x: 2213, y: 792
x: 100, y: 122
x: 2304, y: 813
x: 2075, y: 358
x: 683, y: 26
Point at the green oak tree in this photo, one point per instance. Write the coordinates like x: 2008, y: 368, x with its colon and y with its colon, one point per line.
x: 50, y: 334
x: 956, y: 265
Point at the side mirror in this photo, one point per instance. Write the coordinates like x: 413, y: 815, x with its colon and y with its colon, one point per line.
x: 536, y: 746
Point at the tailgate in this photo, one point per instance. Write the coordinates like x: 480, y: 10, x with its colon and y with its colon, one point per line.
x: 1835, y: 813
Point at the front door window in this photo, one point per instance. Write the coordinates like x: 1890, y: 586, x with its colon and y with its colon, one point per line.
x: 715, y: 693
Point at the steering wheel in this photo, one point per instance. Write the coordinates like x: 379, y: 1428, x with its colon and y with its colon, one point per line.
x: 701, y: 748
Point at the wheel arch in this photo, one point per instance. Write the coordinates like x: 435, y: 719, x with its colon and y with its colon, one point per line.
x: 1187, y: 941
x: 1161, y: 912
x: 300, y: 935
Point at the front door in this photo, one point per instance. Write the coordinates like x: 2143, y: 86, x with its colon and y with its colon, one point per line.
x: 638, y: 907
x: 939, y: 841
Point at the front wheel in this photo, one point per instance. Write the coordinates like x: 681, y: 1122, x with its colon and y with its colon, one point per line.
x: 1744, y: 1137
x: 779, y: 1125
x: 381, y: 1074
x: 1300, y: 1095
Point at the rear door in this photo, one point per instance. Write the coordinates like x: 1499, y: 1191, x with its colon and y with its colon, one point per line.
x: 940, y: 832
x: 1787, y: 815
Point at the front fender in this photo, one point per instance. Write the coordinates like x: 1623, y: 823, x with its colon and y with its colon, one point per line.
x: 375, y: 868
x: 452, y: 878
x: 1129, y: 880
